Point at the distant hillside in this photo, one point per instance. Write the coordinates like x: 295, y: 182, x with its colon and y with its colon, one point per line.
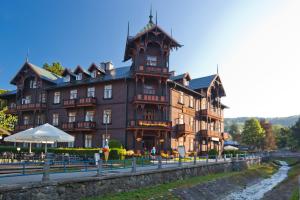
x: 284, y: 121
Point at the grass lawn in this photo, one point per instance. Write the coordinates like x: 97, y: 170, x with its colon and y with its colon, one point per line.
x: 164, y: 191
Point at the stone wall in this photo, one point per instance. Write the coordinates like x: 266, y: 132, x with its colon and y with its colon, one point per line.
x: 96, y: 186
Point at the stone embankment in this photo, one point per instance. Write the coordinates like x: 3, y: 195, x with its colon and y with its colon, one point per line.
x: 97, y: 186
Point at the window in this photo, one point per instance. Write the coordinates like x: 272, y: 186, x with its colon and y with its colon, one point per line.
x: 181, y: 98
x: 105, y: 139
x: 79, y: 77
x: 91, y: 92
x: 186, y: 82
x: 191, y: 145
x: 32, y: 84
x: 192, y: 122
x: 40, y: 119
x: 88, y: 141
x: 180, y: 119
x: 72, y: 117
x: 67, y: 78
x: 94, y: 74
x: 70, y: 144
x: 42, y: 98
x: 89, y: 116
x: 148, y: 89
x: 56, y: 97
x: 107, y: 91
x: 26, y: 120
x: 55, y: 117
x: 191, y: 102
x: 149, y: 114
x: 73, y: 94
x: 152, y: 60
x: 106, y: 116
x: 26, y: 100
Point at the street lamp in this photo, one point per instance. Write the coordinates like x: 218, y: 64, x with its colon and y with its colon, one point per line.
x: 106, y: 122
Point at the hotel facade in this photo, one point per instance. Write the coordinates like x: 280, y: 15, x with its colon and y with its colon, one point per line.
x: 142, y: 105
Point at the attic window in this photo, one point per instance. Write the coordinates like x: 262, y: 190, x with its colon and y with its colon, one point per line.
x: 94, y: 74
x: 67, y: 78
x: 79, y: 77
x: 152, y: 60
x: 186, y: 82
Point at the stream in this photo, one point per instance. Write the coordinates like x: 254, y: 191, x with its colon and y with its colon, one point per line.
x: 257, y: 191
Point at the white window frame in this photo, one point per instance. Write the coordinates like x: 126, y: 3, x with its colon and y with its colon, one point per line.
x: 26, y: 120
x: 73, y: 94
x: 191, y: 102
x: 56, y: 98
x: 107, y: 116
x: 180, y: 119
x: 91, y: 92
x: 94, y: 74
x: 55, y: 119
x: 79, y: 77
x: 88, y: 141
x: 71, y: 117
x: 181, y: 97
x: 107, y: 91
x: 151, y: 60
x: 67, y: 78
x: 32, y: 84
x: 90, y: 116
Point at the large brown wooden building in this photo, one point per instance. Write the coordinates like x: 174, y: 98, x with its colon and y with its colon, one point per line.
x: 142, y: 105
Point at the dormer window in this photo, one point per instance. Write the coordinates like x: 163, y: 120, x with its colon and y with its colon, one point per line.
x: 94, y: 74
x: 32, y: 84
x: 151, y: 60
x: 79, y: 77
x: 67, y: 78
x: 186, y: 82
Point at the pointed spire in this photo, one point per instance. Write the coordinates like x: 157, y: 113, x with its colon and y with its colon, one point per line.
x: 128, y: 30
x: 150, y: 16
x: 27, y: 56
x: 156, y: 17
x: 171, y: 32
x: 218, y: 69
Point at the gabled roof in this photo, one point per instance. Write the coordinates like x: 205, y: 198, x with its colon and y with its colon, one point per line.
x: 181, y: 76
x: 80, y: 69
x: 202, y: 83
x: 9, y: 93
x: 68, y: 71
x: 94, y: 66
x: 42, y: 73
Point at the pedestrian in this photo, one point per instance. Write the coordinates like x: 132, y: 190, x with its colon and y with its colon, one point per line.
x: 153, y: 152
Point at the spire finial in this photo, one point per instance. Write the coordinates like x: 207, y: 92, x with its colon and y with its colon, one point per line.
x: 150, y: 16
x: 156, y: 17
x: 128, y: 30
x: 217, y: 68
x: 27, y: 55
x: 171, y: 32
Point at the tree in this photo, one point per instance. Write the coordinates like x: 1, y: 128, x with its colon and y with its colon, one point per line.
x: 253, y: 134
x: 281, y: 135
x: 295, y: 132
x: 2, y: 102
x: 269, y: 142
x: 7, y: 121
x: 55, y: 68
x: 235, y: 132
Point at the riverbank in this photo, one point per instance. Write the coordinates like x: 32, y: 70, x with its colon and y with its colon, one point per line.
x: 287, y: 189
x: 210, y: 186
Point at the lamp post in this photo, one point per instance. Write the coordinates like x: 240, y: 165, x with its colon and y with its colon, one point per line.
x: 106, y: 122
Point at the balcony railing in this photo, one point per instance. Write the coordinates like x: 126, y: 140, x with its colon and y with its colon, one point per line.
x: 183, y: 129
x: 11, y: 109
x: 150, y: 124
x: 152, y: 69
x: 79, y: 126
x: 69, y: 103
x: 150, y: 98
x: 31, y: 106
x: 211, y: 113
x: 88, y: 101
x: 210, y: 133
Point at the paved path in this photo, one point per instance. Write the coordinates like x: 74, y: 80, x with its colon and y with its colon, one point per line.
x: 15, y: 180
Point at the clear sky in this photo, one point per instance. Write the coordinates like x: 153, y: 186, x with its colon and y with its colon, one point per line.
x: 256, y: 43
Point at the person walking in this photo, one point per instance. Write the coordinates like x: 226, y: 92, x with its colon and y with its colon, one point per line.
x: 153, y: 152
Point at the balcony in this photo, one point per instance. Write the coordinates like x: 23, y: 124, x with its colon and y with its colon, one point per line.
x: 153, y: 99
x: 150, y: 124
x: 23, y: 127
x: 31, y: 106
x: 11, y: 110
x: 88, y: 101
x: 210, y: 133
x: 69, y: 103
x: 79, y: 126
x: 211, y: 113
x: 153, y: 70
x: 183, y: 129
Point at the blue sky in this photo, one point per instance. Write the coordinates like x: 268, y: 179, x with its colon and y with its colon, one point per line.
x: 256, y: 43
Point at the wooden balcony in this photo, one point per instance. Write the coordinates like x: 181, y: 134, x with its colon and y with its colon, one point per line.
x: 211, y: 113
x: 210, y: 133
x: 88, y: 101
x: 150, y: 99
x: 31, y: 106
x: 79, y: 126
x: 22, y: 127
x: 152, y: 70
x: 11, y: 110
x: 183, y: 129
x: 69, y: 103
x: 150, y: 124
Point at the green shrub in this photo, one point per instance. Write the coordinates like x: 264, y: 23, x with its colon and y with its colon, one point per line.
x: 114, y: 154
x: 212, y: 152
x: 233, y: 152
x: 114, y: 144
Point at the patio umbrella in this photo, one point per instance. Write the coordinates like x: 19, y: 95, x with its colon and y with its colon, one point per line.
x: 46, y: 133
x: 229, y: 147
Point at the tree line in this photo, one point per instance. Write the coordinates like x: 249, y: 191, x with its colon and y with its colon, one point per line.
x: 262, y: 135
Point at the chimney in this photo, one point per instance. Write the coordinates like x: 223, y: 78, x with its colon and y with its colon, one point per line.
x: 172, y: 73
x: 107, y: 66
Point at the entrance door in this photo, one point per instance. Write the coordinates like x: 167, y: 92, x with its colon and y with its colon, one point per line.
x: 149, y: 142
